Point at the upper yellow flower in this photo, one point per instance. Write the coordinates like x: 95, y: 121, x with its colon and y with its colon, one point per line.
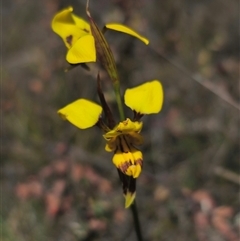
x: 125, y: 136
x: 77, y: 36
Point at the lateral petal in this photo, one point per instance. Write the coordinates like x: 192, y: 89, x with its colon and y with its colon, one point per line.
x: 146, y: 98
x: 82, y: 113
x: 82, y: 51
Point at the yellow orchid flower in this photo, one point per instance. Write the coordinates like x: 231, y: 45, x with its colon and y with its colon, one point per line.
x: 77, y: 36
x: 125, y: 136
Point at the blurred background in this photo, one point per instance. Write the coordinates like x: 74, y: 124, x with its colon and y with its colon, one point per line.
x: 57, y: 181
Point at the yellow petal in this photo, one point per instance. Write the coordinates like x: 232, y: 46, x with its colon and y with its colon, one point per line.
x: 111, y: 145
x: 81, y: 113
x: 134, y: 171
x: 129, y: 162
x: 70, y: 34
x: 124, y: 127
x: 129, y: 198
x: 129, y: 126
x: 146, y: 98
x: 64, y: 25
x: 69, y: 27
x: 64, y: 16
x: 81, y: 23
x: 82, y: 51
x: 127, y: 30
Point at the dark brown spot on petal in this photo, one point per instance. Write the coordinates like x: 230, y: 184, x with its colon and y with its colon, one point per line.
x: 123, y: 167
x: 139, y: 162
x: 85, y: 30
x: 69, y: 39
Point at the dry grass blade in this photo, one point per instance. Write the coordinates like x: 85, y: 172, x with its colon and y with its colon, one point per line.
x: 219, y: 91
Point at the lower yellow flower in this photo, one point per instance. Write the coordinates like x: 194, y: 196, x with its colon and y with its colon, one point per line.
x: 122, y: 140
x: 125, y: 136
x: 127, y: 158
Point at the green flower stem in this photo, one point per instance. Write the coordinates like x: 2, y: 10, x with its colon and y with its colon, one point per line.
x: 119, y: 100
x: 136, y: 221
